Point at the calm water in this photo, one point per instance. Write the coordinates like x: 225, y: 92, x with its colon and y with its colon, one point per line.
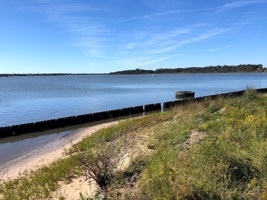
x: 31, y: 99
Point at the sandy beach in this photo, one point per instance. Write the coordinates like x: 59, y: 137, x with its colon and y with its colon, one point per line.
x: 47, y: 154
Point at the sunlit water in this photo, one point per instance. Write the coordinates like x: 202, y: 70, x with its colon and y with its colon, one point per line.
x: 31, y: 99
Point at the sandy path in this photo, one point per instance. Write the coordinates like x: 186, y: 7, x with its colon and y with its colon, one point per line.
x: 47, y: 154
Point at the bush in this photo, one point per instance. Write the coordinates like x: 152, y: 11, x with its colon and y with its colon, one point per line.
x: 101, y: 160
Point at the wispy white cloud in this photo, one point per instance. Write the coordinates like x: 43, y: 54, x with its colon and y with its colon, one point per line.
x: 156, y: 14
x: 137, y: 34
x: 82, y: 21
x: 160, y: 38
x: 195, y: 39
x: 94, y: 34
x: 148, y: 60
x: 152, y: 61
x: 141, y: 61
x: 237, y: 4
x: 218, y: 48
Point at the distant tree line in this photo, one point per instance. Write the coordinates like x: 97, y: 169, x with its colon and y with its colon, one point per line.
x: 210, y: 69
x: 45, y: 74
x: 29, y: 74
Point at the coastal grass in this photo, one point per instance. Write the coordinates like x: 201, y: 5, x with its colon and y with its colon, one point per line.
x: 213, y: 149
x: 40, y: 183
x: 122, y: 129
x: 230, y: 163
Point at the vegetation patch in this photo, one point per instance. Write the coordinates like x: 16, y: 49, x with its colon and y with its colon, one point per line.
x: 40, y: 183
x: 230, y: 163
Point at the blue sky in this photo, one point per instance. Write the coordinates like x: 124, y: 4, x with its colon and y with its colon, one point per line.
x: 86, y: 36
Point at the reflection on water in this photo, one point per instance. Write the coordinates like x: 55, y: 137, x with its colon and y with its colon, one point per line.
x: 20, y: 147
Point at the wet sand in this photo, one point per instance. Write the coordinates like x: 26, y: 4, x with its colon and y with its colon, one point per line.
x: 44, y: 153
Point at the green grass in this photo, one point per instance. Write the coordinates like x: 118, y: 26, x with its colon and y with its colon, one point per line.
x: 123, y: 128
x: 231, y: 163
x: 40, y: 183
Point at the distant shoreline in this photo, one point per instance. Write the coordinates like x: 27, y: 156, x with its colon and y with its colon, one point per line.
x: 111, y: 74
x: 242, y: 68
x: 50, y: 74
x: 117, y: 73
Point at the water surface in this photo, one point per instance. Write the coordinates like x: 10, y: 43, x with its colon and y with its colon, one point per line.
x: 30, y: 99
x: 35, y: 98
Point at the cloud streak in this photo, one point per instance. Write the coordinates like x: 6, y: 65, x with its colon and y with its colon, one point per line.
x: 158, y: 39
x: 95, y: 34
x: 141, y: 61
x: 82, y: 22
x: 218, y: 48
x: 157, y: 14
x: 195, y: 39
x: 236, y: 4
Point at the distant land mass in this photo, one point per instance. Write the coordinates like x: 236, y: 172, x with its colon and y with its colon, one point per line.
x: 46, y: 74
x: 243, y: 68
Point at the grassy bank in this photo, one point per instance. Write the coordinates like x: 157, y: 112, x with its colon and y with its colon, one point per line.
x: 230, y: 163
x: 215, y: 149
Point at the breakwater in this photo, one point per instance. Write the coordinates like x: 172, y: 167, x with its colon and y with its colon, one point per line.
x: 112, y: 114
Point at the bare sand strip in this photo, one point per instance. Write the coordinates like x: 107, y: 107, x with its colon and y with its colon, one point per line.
x: 47, y: 154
